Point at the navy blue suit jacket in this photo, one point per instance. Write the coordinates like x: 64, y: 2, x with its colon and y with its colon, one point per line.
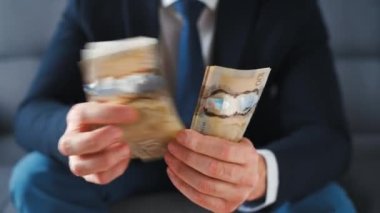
x: 299, y: 116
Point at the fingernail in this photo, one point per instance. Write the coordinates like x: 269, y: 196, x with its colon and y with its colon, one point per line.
x: 182, y: 137
x: 65, y: 148
x: 89, y: 178
x: 166, y: 158
x: 169, y: 172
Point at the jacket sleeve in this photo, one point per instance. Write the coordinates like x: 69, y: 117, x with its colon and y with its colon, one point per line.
x: 316, y: 147
x: 41, y: 118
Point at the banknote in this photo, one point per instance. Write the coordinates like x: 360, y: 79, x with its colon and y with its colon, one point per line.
x: 127, y: 72
x: 227, y: 101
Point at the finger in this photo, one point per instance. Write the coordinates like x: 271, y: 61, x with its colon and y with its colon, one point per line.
x: 206, y: 201
x: 90, y: 142
x: 99, y: 162
x: 100, y: 113
x: 205, y: 184
x: 214, y: 168
x: 215, y: 147
x: 107, y: 177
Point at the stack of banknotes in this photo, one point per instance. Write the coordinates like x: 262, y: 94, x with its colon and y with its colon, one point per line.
x: 128, y: 72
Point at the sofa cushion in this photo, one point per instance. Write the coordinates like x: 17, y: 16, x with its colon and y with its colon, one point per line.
x: 10, y: 153
x: 26, y: 26
x: 360, y: 84
x: 362, y: 179
x: 5, y: 172
x: 354, y: 26
x: 16, y: 75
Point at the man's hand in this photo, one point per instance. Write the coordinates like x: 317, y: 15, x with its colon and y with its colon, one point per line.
x: 95, y: 146
x: 216, y: 174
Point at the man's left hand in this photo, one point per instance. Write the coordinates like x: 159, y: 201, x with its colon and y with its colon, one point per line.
x: 216, y: 174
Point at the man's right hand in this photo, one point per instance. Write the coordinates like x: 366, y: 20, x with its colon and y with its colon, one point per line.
x: 94, y: 143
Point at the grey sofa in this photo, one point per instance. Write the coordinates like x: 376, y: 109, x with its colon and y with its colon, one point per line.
x: 355, y: 39
x: 25, y: 28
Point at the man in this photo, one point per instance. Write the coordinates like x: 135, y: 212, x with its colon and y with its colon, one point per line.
x: 295, y: 146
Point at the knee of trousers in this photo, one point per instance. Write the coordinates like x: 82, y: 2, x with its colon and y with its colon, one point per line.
x: 338, y: 199
x: 32, y: 174
x: 331, y: 198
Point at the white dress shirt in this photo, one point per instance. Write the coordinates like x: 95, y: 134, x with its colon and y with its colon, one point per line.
x: 171, y: 25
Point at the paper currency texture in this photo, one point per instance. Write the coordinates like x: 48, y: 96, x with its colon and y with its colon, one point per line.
x: 127, y: 72
x: 227, y: 101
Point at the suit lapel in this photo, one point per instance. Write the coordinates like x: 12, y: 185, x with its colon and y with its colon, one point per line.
x: 234, y: 21
x: 141, y: 18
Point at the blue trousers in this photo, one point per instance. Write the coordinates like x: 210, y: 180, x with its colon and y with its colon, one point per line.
x: 41, y: 184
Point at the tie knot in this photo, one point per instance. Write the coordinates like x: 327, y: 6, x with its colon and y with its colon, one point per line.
x: 190, y: 10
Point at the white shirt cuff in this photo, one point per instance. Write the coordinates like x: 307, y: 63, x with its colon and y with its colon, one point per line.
x: 272, y: 183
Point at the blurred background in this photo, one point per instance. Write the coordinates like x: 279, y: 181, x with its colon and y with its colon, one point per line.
x: 354, y: 26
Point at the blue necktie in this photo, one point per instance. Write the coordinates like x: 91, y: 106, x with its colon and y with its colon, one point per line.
x: 190, y: 66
